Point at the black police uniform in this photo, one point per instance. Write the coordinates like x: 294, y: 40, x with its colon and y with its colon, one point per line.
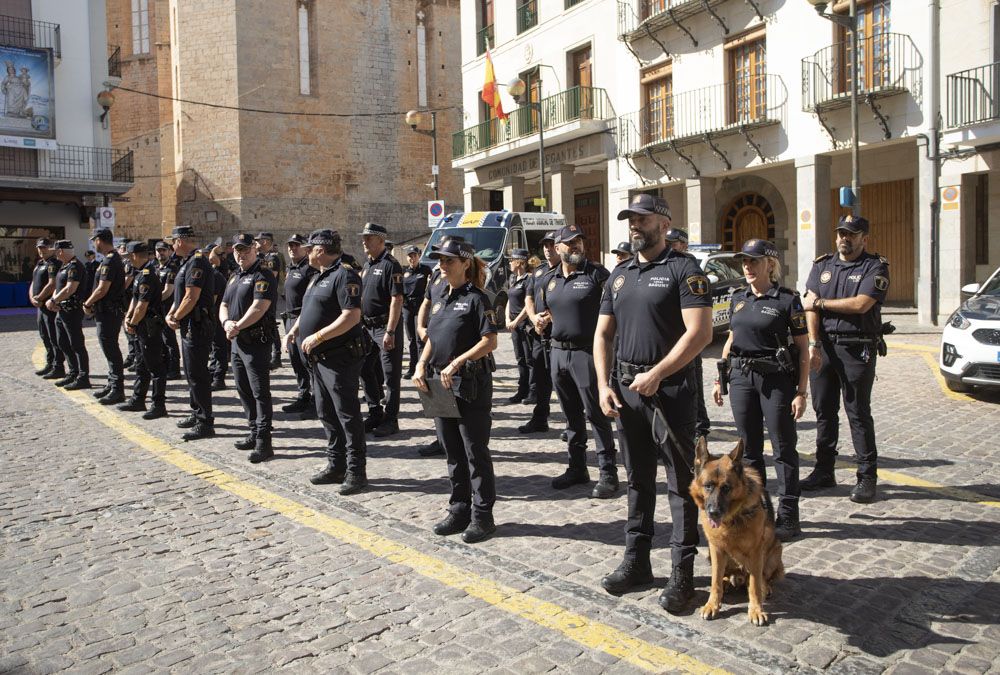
x: 151, y: 367
x: 574, y: 302
x: 296, y: 282
x: 69, y: 322
x: 167, y: 275
x: 108, y: 313
x: 760, y: 390
x: 197, y: 332
x: 646, y: 301
x: 273, y: 261
x: 335, y: 365
x: 222, y: 348
x: 541, y: 377
x: 381, y: 279
x: 458, y: 320
x: 849, y: 355
x: 45, y: 271
x: 91, y: 273
x: 414, y: 286
x: 251, y: 355
x: 516, y: 292
x: 132, y: 340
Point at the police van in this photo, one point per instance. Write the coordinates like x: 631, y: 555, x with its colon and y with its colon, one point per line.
x: 494, y: 234
x: 725, y: 275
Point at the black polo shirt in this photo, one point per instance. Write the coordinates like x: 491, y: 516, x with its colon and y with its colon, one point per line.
x: 762, y: 324
x: 575, y: 302
x: 195, y: 272
x: 271, y: 260
x: 381, y: 279
x: 330, y: 292
x: 221, y: 280
x: 833, y: 278
x: 167, y: 272
x: 296, y: 283
x: 516, y: 293
x: 45, y: 270
x: 536, y: 284
x: 350, y: 261
x: 437, y: 287
x: 67, y: 274
x: 146, y: 287
x: 415, y: 283
x: 112, y: 270
x: 458, y: 320
x: 646, y: 300
x: 256, y: 283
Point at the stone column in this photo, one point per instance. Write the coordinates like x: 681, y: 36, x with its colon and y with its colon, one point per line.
x: 476, y: 199
x: 812, y: 213
x: 701, y: 225
x: 513, y: 193
x: 958, y: 211
x: 562, y: 191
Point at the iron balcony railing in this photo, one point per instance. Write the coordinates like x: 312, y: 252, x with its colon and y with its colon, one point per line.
x: 115, y: 62
x: 973, y: 95
x: 718, y: 110
x: 527, y: 15
x: 70, y: 162
x: 575, y: 104
x: 635, y: 16
x: 571, y: 3
x: 18, y: 32
x: 484, y: 39
x: 888, y: 64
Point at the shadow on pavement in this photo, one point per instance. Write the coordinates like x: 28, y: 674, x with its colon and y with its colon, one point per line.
x: 922, y: 530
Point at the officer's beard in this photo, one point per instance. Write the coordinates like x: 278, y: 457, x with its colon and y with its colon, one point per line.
x: 845, y: 247
x: 574, y: 259
x: 642, y: 241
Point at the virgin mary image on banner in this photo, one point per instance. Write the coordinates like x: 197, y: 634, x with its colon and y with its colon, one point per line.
x: 26, y: 104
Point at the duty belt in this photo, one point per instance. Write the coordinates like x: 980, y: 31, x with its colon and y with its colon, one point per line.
x: 355, y: 349
x: 625, y: 372
x: 765, y: 365
x: 375, y: 321
x: 292, y: 314
x: 853, y: 338
x: 71, y: 303
x: 571, y: 346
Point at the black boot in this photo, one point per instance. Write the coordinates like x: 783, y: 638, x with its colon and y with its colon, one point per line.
x: 571, y: 477
x: 434, y: 448
x: 679, y: 591
x: 479, y: 530
x: 607, y: 486
x: 67, y: 379
x: 187, y: 422
x: 199, y: 431
x: 262, y: 450
x: 129, y: 362
x: 372, y: 422
x: 817, y: 480
x: 156, y: 412
x: 533, y: 426
x: 218, y: 383
x: 116, y: 395
x: 354, y: 482
x: 864, y: 491
x: 134, y: 404
x: 42, y: 372
x: 81, y: 382
x: 57, y: 373
x: 452, y: 524
x: 103, y: 391
x: 786, y: 526
x: 387, y: 428
x: 275, y: 360
x: 632, y: 572
x: 299, y: 405
x: 174, y: 373
x: 330, y: 474
x: 249, y: 442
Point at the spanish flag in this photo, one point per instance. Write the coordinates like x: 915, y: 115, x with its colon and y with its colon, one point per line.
x: 491, y: 92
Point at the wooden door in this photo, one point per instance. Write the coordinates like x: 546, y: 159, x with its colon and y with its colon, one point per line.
x: 889, y: 209
x: 587, y: 208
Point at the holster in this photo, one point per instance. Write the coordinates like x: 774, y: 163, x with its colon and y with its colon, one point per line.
x: 723, y: 366
x: 353, y: 350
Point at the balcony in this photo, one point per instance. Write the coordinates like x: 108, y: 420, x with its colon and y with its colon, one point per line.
x: 972, y: 96
x: 527, y: 15
x: 578, y: 104
x: 115, y: 62
x: 18, y: 32
x: 571, y: 3
x: 484, y: 40
x: 70, y: 168
x: 889, y: 65
x: 639, y: 18
x: 703, y: 115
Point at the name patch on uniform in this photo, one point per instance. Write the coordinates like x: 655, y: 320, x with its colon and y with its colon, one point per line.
x: 854, y: 277
x: 460, y: 307
x: 739, y: 305
x: 376, y: 271
x: 261, y: 286
x: 436, y: 308
x: 825, y: 276
x: 659, y: 282
x: 353, y: 290
x: 770, y: 311
x: 619, y: 282
x: 881, y: 283
x: 698, y: 285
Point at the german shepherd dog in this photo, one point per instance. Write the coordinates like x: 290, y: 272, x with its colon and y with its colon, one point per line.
x: 738, y: 519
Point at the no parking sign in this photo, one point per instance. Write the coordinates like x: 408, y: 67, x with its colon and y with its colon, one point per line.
x: 106, y: 217
x: 435, y: 211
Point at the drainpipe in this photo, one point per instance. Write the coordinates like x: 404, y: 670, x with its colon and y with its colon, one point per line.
x: 934, y: 108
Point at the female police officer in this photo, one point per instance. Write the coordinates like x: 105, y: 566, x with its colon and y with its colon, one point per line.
x: 766, y: 384
x: 461, y: 333
x: 517, y: 320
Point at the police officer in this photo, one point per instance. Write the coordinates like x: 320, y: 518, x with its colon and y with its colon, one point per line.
x: 381, y: 310
x: 67, y: 302
x: 571, y: 302
x: 517, y: 321
x: 300, y: 273
x: 105, y: 304
x: 222, y: 350
x: 623, y: 252
x: 415, y: 276
x: 539, y: 336
x: 130, y: 358
x: 166, y: 270
x: 660, y: 306
x: 247, y: 316
x: 143, y: 319
x: 767, y: 383
x: 461, y: 334
x: 843, y: 303
x: 192, y: 313
x: 43, y: 283
x: 271, y: 259
x: 90, y: 266
x: 328, y: 332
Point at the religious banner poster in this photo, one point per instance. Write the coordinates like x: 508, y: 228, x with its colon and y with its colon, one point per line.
x: 27, y: 103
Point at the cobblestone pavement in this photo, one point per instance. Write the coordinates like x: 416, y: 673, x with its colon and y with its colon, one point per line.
x: 122, y: 548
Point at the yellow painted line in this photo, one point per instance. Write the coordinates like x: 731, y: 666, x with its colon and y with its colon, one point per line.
x: 587, y: 632
x: 931, y: 360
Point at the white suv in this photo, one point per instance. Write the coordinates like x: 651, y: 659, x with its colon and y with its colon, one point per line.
x: 970, y: 344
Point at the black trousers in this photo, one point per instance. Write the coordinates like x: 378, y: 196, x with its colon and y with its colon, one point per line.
x: 172, y: 352
x: 412, y: 341
x: 704, y: 424
x: 522, y: 354
x: 109, y: 327
x: 541, y: 379
x: 575, y: 382
x: 300, y: 366
x: 196, y: 343
x: 335, y: 392
x: 150, y: 367
x: 252, y: 375
x: 642, y: 450
x: 50, y: 338
x: 380, y: 367
x: 757, y: 400
x: 276, y: 341
x: 133, y: 347
x: 69, y: 328
x: 466, y: 442
x: 847, y: 370
x: 221, y: 354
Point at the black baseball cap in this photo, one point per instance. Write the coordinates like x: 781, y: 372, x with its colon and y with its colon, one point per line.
x: 676, y: 234
x: 412, y: 249
x: 376, y: 229
x: 64, y: 244
x: 549, y: 236
x: 455, y: 249
x: 137, y: 247
x: 264, y: 235
x: 622, y: 247
x: 644, y: 204
x: 758, y: 248
x: 852, y: 224
x: 296, y: 239
x: 519, y: 254
x: 162, y: 246
x: 323, y: 238
x: 568, y: 233
x: 104, y: 234
x: 242, y: 239
x: 43, y: 243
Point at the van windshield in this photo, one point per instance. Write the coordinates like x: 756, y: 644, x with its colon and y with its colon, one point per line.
x: 488, y: 241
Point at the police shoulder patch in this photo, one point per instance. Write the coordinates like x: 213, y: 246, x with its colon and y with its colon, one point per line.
x: 196, y: 273
x: 261, y: 286
x: 882, y: 259
x: 492, y: 316
x: 881, y: 283
x: 698, y: 284
x: 353, y: 290
x: 618, y: 283
x: 198, y: 254
x: 799, y: 320
x: 740, y: 305
x: 145, y: 272
x: 397, y: 278
x: 143, y: 288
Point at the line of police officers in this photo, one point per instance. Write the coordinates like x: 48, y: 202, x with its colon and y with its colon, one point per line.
x: 622, y: 345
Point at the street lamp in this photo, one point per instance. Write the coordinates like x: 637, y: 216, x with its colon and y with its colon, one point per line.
x: 414, y: 118
x: 849, y: 22
x: 518, y: 90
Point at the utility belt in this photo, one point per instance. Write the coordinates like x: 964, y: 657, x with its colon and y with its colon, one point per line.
x: 782, y: 360
x: 153, y: 325
x: 106, y: 306
x: 292, y: 314
x: 372, y: 322
x: 354, y: 349
x: 471, y: 375
x: 626, y: 373
x: 71, y: 303
x: 199, y: 321
x: 571, y: 346
x: 264, y: 330
x: 764, y: 365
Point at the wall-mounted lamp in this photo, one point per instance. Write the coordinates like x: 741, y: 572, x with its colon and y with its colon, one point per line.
x: 105, y: 99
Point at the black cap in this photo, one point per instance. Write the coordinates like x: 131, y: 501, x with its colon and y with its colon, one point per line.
x: 644, y: 204
x: 162, y: 246
x: 758, y: 248
x: 519, y: 254
x: 43, y: 243
x: 676, y: 234
x: 137, y: 247
x: 852, y: 224
x: 323, y: 238
x: 412, y: 249
x: 455, y: 249
x: 446, y: 238
x: 568, y: 233
x: 89, y: 253
x: 64, y: 244
x: 242, y: 239
x: 296, y: 239
x: 622, y: 247
x: 182, y: 231
x: 264, y: 235
x: 376, y: 229
x: 549, y: 236
x: 104, y: 234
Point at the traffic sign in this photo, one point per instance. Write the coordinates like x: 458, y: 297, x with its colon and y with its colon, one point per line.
x: 106, y: 217
x: 435, y: 211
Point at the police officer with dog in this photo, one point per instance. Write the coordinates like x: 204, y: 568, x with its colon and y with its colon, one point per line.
x: 106, y: 304
x: 300, y: 273
x: 660, y: 307
x: 67, y: 302
x: 843, y: 303
x: 247, y: 316
x: 328, y: 332
x: 144, y: 319
x: 415, y: 276
x: 43, y: 283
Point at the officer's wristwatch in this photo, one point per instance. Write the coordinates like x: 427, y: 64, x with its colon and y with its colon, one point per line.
x: 814, y: 343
